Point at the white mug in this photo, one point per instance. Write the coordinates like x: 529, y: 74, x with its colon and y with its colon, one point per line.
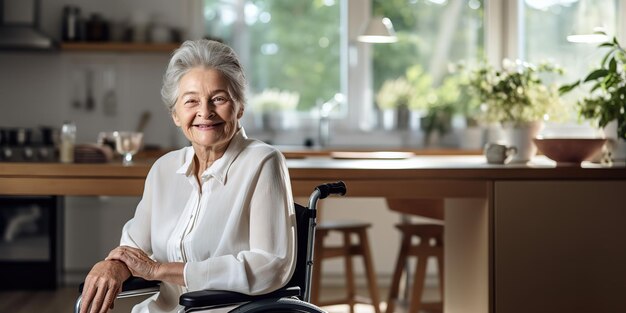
x: 498, y: 153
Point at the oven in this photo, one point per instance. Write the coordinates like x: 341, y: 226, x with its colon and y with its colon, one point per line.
x: 30, y: 242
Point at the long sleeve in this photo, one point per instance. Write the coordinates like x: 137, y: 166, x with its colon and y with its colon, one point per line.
x: 137, y: 231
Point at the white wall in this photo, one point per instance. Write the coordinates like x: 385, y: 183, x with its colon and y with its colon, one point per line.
x: 38, y: 88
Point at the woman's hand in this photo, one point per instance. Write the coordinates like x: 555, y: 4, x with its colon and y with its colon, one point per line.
x: 102, y: 285
x: 137, y: 261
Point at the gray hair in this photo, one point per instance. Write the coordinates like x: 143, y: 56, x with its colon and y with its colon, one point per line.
x: 208, y: 54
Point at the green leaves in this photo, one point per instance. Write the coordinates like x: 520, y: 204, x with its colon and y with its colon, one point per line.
x: 607, y: 99
x: 613, y: 66
x: 567, y: 88
x: 516, y: 93
x: 597, y: 74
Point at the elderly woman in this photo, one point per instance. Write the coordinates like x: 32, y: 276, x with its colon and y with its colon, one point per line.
x: 216, y: 215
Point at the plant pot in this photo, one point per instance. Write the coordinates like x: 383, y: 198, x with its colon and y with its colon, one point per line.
x: 389, y: 119
x: 521, y: 137
x: 396, y: 119
x: 253, y: 121
x: 278, y: 120
x: 403, y: 117
x: 616, y: 145
x: 415, y: 119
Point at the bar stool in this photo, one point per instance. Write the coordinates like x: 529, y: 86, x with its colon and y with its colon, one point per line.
x: 430, y: 244
x: 346, y: 250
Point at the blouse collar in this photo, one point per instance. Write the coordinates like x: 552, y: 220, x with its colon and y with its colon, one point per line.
x: 220, y: 167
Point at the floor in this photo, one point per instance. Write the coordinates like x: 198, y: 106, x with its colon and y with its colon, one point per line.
x: 62, y: 300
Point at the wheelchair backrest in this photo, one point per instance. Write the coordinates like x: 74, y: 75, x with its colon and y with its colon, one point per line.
x: 302, y: 228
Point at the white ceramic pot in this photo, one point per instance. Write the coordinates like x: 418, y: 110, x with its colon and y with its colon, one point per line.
x: 521, y: 137
x: 617, y: 145
x: 415, y: 119
x: 396, y: 119
x: 389, y: 119
x: 282, y: 120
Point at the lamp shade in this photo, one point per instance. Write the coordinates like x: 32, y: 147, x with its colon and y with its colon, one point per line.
x: 378, y: 30
x: 590, y: 24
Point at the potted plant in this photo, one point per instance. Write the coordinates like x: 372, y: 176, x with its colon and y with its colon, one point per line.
x: 423, y: 101
x: 272, y: 107
x: 457, y: 100
x: 605, y: 104
x: 518, y: 99
x: 393, y: 101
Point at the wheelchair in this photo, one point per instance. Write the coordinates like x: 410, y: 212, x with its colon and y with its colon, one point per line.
x: 293, y: 297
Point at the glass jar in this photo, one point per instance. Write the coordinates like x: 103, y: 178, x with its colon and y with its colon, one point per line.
x: 68, y: 139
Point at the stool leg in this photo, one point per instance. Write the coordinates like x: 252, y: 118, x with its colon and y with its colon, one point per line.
x: 418, y: 285
x: 369, y: 268
x: 397, y: 273
x: 440, y: 271
x: 351, y: 297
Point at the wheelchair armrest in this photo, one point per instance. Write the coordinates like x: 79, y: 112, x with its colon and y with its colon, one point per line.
x: 133, y: 283
x: 209, y: 298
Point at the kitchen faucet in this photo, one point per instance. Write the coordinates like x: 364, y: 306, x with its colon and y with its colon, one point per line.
x: 324, y: 122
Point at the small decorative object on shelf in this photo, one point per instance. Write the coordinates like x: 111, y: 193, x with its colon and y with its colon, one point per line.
x: 98, y: 33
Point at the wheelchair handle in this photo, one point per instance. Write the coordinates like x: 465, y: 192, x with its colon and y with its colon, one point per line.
x: 320, y: 192
x: 338, y: 188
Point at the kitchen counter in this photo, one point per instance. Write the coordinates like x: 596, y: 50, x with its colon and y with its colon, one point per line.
x: 468, y: 172
x: 518, y: 238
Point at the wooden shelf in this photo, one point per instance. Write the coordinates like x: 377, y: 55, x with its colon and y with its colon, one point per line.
x: 118, y: 47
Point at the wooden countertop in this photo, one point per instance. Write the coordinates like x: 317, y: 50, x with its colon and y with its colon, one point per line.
x: 431, y: 176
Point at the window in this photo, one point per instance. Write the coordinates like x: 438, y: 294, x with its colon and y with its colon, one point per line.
x: 289, y: 48
x: 308, y: 47
x: 562, y: 32
x: 296, y: 46
x: 431, y: 34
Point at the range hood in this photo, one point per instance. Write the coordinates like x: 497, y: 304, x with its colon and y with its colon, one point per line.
x: 15, y: 37
x: 19, y: 27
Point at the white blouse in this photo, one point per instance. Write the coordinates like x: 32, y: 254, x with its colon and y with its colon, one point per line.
x: 237, y: 234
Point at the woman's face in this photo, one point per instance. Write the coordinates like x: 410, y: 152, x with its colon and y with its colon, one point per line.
x: 204, y: 110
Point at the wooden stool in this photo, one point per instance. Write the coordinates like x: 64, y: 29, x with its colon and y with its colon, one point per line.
x: 430, y: 245
x: 347, y: 250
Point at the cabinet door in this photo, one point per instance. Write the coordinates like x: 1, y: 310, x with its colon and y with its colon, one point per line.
x: 560, y: 246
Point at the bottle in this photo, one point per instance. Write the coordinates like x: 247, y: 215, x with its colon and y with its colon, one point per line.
x: 68, y: 139
x: 71, y: 16
x: 97, y: 28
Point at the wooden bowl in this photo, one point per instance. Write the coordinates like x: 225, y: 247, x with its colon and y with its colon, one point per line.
x: 570, y: 150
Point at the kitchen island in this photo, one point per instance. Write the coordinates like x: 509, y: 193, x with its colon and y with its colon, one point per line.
x: 518, y: 238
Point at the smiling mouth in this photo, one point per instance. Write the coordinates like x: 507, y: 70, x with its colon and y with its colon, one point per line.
x: 208, y: 126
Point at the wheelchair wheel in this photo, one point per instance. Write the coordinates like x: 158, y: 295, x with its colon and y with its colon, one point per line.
x: 280, y: 305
